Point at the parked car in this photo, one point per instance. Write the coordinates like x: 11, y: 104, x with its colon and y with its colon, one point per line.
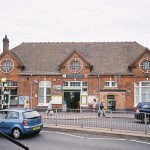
x: 142, y: 110
x: 18, y: 122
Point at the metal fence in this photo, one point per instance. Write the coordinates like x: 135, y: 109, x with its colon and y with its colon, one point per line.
x: 120, y: 120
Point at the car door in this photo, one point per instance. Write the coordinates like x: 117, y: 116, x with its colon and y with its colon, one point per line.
x: 12, y: 119
x: 3, y: 115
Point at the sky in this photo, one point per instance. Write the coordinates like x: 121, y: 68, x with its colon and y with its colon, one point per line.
x: 75, y: 21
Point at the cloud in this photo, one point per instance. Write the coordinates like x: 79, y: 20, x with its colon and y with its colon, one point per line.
x: 75, y: 20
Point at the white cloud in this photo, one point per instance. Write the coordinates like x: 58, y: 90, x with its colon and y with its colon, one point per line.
x: 75, y: 20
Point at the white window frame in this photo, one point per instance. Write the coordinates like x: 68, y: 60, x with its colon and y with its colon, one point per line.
x: 110, y: 84
x: 82, y: 85
x: 141, y: 88
x: 45, y: 85
x: 6, y: 65
x: 75, y: 65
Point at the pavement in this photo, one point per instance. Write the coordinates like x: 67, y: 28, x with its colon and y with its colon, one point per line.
x: 98, y: 131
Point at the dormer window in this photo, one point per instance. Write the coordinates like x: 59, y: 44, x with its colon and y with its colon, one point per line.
x: 6, y: 65
x: 75, y: 65
x: 145, y: 65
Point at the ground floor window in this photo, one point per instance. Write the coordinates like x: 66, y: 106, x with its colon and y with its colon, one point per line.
x: 8, y: 92
x: 44, y: 91
x: 141, y: 92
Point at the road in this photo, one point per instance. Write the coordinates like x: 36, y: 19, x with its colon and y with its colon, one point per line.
x: 50, y: 140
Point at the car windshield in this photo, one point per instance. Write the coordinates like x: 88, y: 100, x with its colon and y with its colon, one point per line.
x: 146, y: 106
x: 31, y: 114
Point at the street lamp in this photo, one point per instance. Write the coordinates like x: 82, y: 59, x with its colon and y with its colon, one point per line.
x: 3, y: 80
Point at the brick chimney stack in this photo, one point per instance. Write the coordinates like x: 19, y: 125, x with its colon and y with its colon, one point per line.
x: 5, y: 43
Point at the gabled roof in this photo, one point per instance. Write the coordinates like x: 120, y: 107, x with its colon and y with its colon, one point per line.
x: 14, y: 56
x: 78, y: 53
x: 134, y: 61
x: 107, y: 58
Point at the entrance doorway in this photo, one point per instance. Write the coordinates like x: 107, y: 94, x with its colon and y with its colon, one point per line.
x: 72, y: 99
x: 110, y: 98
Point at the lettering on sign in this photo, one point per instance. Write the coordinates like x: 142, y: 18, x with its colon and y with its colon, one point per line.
x: 74, y: 76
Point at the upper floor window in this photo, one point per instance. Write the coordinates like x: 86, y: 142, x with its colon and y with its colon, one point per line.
x: 75, y: 65
x: 6, y: 65
x: 110, y: 84
x: 145, y: 65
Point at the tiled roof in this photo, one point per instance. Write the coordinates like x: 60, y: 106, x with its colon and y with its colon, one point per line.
x: 107, y: 58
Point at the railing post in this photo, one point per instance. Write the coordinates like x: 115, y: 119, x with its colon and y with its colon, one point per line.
x: 111, y: 120
x: 56, y: 117
x: 145, y: 120
x: 82, y: 118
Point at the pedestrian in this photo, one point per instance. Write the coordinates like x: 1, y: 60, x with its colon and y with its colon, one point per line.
x: 94, y: 103
x: 49, y: 109
x: 26, y: 104
x: 113, y: 105
x: 101, y: 109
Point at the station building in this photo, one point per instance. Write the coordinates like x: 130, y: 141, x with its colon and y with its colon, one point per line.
x: 72, y: 74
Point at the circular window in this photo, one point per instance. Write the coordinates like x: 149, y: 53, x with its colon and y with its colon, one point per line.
x: 145, y: 65
x: 75, y: 65
x: 6, y: 65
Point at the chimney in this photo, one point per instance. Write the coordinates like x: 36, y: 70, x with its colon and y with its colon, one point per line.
x: 5, y: 43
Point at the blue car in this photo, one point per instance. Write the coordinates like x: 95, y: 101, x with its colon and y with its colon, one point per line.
x: 18, y: 122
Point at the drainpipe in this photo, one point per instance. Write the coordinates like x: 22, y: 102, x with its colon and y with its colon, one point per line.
x: 98, y: 88
x: 31, y: 88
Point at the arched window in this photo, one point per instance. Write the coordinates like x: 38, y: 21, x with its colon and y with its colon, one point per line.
x: 44, y: 92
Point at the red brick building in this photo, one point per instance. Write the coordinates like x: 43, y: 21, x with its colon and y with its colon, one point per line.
x: 74, y: 72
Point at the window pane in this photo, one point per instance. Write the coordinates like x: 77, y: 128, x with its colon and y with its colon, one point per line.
x: 41, y: 99
x: 48, y: 84
x: 13, y: 91
x: 48, y: 91
x: 41, y: 95
x: 13, y: 97
x: 144, y: 97
x: 65, y: 83
x: 41, y: 83
x: 84, y: 83
x: 106, y: 84
x: 113, y: 83
x: 48, y: 98
x: 146, y: 65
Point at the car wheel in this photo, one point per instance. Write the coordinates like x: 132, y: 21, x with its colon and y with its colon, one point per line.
x: 16, y: 133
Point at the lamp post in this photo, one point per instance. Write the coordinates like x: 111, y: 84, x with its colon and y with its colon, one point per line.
x: 3, y: 80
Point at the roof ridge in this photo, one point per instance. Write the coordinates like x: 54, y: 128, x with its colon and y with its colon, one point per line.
x: 81, y: 42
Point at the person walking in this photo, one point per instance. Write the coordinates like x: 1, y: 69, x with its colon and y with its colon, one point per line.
x: 113, y: 105
x: 26, y: 104
x: 49, y: 109
x: 94, y: 103
x: 101, y: 109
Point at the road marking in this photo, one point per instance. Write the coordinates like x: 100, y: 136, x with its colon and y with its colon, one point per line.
x: 47, y: 131
x: 70, y: 135
x: 97, y: 138
x: 140, y: 142
x: 106, y: 139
